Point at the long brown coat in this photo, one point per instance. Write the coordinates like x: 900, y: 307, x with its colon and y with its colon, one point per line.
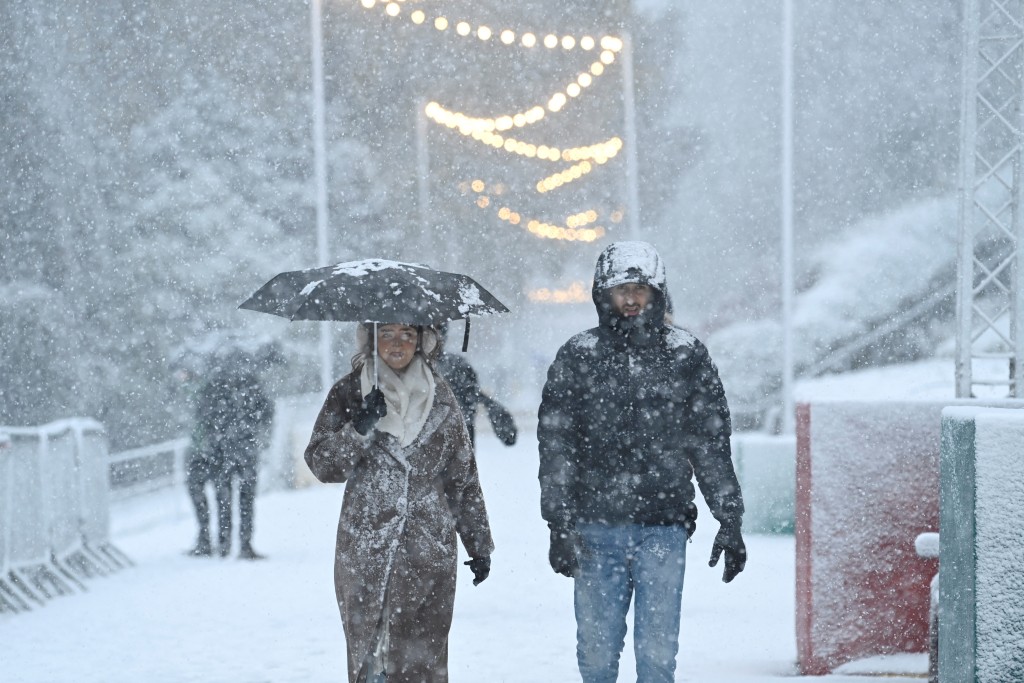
x: 396, y: 556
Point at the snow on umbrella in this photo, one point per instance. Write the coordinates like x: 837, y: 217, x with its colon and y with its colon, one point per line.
x: 374, y: 290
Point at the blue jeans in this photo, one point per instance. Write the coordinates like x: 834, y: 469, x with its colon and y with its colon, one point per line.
x: 616, y: 562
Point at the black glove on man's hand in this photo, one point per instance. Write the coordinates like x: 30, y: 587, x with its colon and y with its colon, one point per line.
x: 481, y: 568
x: 373, y: 409
x: 562, y: 554
x: 501, y: 421
x: 730, y: 540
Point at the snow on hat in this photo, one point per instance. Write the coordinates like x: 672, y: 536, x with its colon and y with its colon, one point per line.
x: 628, y: 262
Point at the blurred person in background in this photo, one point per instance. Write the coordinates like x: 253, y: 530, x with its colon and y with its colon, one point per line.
x: 233, y: 415
x: 465, y: 384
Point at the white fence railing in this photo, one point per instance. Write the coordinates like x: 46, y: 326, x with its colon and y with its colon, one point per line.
x: 54, y: 511
x: 150, y: 468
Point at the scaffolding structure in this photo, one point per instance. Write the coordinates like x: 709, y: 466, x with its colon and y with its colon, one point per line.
x: 990, y: 306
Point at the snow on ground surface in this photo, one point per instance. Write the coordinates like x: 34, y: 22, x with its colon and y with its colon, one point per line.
x: 176, y: 619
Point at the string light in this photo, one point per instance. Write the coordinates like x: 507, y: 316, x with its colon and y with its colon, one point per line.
x: 507, y: 36
x: 557, y: 180
x: 581, y: 219
x: 610, y: 47
x: 576, y: 293
x: 599, y: 152
x: 534, y: 226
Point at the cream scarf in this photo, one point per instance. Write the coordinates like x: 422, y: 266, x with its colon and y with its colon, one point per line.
x: 409, y: 396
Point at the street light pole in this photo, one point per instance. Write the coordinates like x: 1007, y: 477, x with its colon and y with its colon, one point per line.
x: 423, y: 175
x: 629, y: 107
x: 788, y: 407
x: 320, y: 174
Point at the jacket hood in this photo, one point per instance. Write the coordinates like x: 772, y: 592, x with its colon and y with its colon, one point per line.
x: 631, y: 262
x: 623, y: 262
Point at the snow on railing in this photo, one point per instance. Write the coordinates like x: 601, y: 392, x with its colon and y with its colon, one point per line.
x: 54, y: 511
x: 149, y: 468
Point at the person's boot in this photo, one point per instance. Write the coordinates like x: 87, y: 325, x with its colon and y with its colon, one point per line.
x: 247, y: 553
x: 202, y: 547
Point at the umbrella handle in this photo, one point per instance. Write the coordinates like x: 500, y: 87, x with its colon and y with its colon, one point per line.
x: 465, y: 336
x: 374, y: 354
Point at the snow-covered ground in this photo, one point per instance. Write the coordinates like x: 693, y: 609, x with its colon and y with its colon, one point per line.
x: 175, y: 619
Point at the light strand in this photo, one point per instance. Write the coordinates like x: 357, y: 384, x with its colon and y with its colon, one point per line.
x: 535, y: 226
x: 465, y: 125
x: 576, y: 293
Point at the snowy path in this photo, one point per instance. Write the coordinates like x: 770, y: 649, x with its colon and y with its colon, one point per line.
x: 175, y: 619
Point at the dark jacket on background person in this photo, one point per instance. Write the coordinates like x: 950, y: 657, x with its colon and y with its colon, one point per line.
x: 462, y: 379
x: 631, y: 410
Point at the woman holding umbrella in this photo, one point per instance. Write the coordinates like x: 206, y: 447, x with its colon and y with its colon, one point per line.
x: 393, y: 431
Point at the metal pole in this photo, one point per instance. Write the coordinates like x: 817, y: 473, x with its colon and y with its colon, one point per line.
x: 965, y: 216
x: 320, y: 173
x: 788, y: 408
x: 423, y: 172
x: 1016, y: 307
x: 629, y: 106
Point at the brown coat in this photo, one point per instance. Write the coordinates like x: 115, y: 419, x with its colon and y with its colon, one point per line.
x: 396, y: 554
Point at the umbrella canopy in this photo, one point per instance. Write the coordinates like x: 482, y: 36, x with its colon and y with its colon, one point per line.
x: 374, y: 290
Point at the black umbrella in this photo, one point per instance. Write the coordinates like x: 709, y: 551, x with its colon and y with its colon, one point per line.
x: 374, y: 290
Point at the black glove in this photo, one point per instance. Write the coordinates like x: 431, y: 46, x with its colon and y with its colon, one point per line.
x: 373, y: 409
x: 562, y: 555
x: 730, y: 540
x: 501, y: 421
x: 481, y: 568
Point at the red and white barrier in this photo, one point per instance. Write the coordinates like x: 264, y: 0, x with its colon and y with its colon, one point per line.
x: 867, y: 485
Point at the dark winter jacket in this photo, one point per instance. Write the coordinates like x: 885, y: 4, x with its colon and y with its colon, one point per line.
x: 631, y: 411
x: 233, y: 416
x: 462, y: 378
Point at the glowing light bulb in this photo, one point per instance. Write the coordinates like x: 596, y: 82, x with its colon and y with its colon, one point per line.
x: 463, y: 29
x: 392, y: 9
x: 550, y: 41
x: 368, y: 4
x: 418, y: 17
x: 572, y: 90
x: 611, y: 43
x: 529, y: 40
x: 508, y: 37
x: 597, y: 68
x: 483, y: 33
x: 584, y: 80
x: 607, y: 57
x: 568, y: 42
x: 587, y: 43
x: 477, y: 185
x: 441, y: 24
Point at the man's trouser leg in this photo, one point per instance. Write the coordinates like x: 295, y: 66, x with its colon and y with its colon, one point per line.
x: 224, y: 505
x: 659, y: 563
x: 602, y: 594
x: 195, y: 482
x: 247, y: 474
x: 197, y: 474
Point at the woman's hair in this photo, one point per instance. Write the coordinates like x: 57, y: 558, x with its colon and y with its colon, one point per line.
x: 428, y: 345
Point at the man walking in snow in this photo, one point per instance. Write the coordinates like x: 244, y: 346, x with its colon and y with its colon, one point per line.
x: 233, y: 417
x: 632, y: 410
